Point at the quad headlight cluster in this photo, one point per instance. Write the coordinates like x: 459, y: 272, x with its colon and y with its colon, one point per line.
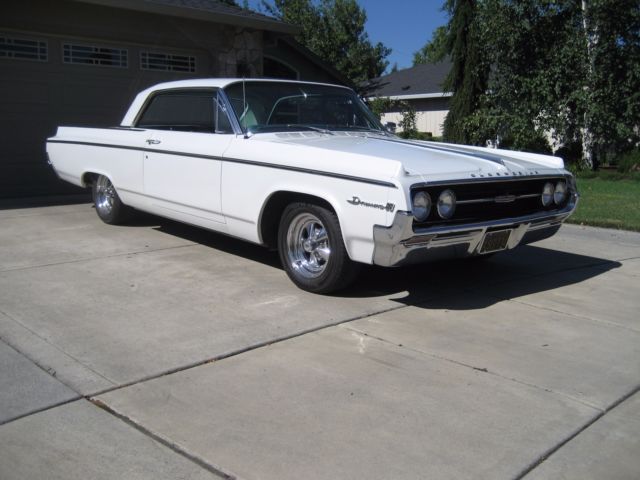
x: 557, y: 193
x: 445, y: 206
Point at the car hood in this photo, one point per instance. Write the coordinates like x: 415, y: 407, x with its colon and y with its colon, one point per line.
x: 426, y: 161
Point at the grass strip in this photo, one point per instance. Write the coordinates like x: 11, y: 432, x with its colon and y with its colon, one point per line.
x: 610, y: 203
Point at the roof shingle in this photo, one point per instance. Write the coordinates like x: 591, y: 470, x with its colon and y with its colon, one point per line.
x: 422, y: 79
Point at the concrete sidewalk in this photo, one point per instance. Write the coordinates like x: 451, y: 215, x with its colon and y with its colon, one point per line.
x: 157, y: 350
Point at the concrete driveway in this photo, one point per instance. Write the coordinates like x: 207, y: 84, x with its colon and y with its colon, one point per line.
x: 157, y: 350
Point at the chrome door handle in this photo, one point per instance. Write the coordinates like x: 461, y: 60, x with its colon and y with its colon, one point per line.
x: 151, y: 141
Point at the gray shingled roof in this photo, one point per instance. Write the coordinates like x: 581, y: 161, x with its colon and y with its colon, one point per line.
x: 205, y: 10
x: 419, y: 80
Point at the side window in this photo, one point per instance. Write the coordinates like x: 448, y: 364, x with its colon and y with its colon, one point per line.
x: 186, y: 111
x: 222, y: 123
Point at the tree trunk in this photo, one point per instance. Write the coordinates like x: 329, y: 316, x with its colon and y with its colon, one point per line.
x: 587, y: 136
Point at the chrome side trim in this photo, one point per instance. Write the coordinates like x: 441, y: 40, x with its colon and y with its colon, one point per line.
x: 310, y: 171
x: 496, y: 199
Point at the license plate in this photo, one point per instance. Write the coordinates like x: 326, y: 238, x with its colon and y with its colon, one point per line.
x: 495, y: 241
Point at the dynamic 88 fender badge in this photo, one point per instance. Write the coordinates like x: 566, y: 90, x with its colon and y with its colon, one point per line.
x: 389, y: 207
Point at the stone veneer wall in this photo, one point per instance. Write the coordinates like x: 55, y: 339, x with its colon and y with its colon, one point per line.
x: 241, y: 53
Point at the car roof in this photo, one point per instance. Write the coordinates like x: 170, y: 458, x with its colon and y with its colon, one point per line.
x: 223, y: 82
x: 141, y: 98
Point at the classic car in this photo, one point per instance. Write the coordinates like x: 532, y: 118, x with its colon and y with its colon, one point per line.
x: 307, y: 169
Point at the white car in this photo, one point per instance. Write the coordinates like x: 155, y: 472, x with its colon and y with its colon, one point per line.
x: 306, y: 168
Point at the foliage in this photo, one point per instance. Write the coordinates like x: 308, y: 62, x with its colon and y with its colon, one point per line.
x: 629, y: 161
x: 416, y: 135
x: 435, y: 50
x: 380, y: 105
x: 335, y: 31
x: 408, y: 121
x: 554, y: 67
x: 613, y: 93
x: 469, y: 72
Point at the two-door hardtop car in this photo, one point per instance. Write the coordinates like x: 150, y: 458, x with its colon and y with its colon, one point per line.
x: 306, y: 168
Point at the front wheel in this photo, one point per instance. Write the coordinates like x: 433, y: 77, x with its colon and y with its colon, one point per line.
x: 311, y: 249
x: 109, y: 207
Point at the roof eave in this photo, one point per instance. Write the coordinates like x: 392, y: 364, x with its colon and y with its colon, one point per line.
x: 202, y: 15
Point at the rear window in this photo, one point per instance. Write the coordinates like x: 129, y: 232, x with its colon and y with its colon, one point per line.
x: 187, y: 111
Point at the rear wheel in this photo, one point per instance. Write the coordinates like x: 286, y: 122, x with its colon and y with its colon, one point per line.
x: 311, y: 249
x: 109, y: 207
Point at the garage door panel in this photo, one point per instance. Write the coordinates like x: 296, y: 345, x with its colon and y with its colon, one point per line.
x: 38, y: 96
x: 23, y: 91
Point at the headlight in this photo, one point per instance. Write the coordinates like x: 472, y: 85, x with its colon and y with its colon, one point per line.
x: 446, y: 204
x: 560, y: 194
x: 547, y: 194
x: 421, y: 206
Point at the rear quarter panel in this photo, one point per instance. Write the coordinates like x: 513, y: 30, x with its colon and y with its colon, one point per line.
x: 115, y: 153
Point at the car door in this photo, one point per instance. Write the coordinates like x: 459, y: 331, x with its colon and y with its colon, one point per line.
x: 187, y: 135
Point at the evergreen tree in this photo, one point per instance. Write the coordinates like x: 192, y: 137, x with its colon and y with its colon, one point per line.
x: 435, y: 50
x: 334, y: 30
x: 467, y: 79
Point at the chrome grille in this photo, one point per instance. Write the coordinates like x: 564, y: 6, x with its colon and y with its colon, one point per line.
x: 489, y: 200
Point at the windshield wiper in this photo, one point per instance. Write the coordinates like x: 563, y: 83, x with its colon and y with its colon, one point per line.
x: 310, y: 127
x: 253, y: 129
x: 354, y: 128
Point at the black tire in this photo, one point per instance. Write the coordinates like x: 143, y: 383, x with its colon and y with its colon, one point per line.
x: 108, y: 205
x: 482, y: 257
x: 312, y: 251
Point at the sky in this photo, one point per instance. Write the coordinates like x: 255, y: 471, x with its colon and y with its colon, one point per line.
x: 403, y: 25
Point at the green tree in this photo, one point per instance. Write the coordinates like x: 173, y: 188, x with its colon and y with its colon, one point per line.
x: 335, y: 31
x: 380, y: 105
x: 612, y: 81
x: 566, y: 68
x: 468, y: 77
x: 435, y: 50
x: 408, y: 121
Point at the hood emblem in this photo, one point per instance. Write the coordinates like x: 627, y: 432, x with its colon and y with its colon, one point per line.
x: 389, y: 207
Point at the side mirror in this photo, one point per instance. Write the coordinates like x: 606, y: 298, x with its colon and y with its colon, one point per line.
x: 391, y: 126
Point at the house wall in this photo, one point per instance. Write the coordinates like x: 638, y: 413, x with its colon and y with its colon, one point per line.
x: 430, y: 114
x: 38, y: 95
x: 289, y: 56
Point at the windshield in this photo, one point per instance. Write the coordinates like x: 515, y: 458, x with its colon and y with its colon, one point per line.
x: 282, y: 106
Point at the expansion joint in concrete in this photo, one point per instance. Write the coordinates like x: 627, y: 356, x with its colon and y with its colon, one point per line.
x: 542, y: 458
x: 216, y: 470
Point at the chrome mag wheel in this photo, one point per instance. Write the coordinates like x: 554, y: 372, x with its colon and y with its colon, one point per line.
x: 105, y: 196
x: 308, y: 247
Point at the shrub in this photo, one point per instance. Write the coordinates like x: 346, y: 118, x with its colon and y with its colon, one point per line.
x: 629, y: 161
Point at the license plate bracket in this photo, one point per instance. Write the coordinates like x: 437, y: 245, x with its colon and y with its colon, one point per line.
x: 495, y: 241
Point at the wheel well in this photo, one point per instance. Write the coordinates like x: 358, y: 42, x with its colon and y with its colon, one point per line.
x: 272, y: 211
x: 88, y: 178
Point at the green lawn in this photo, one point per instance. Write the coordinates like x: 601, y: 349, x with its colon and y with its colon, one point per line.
x: 608, y: 203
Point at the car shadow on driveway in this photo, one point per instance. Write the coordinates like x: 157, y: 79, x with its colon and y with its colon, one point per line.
x: 526, y: 270
x: 469, y: 284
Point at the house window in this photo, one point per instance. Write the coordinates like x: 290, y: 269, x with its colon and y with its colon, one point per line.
x: 167, y: 62
x: 23, y: 49
x: 94, y: 55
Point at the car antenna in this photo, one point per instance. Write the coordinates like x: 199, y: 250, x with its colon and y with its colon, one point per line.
x: 244, y: 108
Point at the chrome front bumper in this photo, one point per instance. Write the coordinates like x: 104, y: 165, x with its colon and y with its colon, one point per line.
x: 399, y: 244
